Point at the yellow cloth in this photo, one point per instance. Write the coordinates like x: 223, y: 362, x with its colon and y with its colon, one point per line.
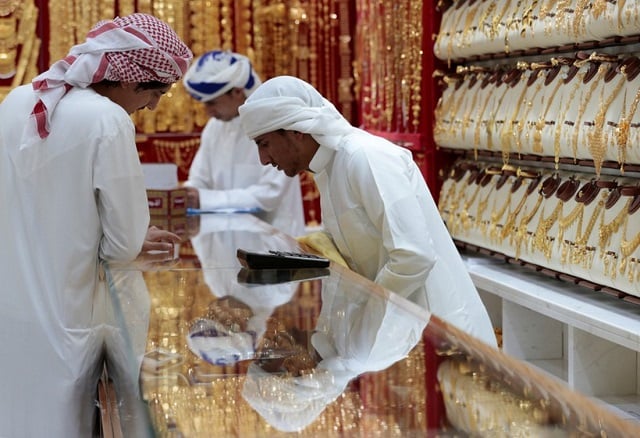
x: 322, y: 243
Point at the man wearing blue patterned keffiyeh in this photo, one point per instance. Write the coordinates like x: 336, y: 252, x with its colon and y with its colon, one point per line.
x: 226, y: 171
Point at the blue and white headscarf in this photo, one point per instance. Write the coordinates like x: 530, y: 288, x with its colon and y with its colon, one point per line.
x: 216, y: 72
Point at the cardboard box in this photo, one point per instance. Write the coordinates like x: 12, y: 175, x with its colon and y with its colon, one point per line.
x: 171, y: 202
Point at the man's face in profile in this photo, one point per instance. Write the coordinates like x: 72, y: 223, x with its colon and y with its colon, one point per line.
x: 225, y: 107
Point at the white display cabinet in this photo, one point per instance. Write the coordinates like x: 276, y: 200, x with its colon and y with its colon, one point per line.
x: 586, y: 338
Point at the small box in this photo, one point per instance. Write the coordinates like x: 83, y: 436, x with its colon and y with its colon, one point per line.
x: 172, y: 202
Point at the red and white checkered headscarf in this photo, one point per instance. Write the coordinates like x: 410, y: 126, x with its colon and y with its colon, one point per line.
x: 134, y: 48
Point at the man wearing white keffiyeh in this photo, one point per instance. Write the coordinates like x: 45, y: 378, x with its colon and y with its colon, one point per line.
x: 375, y: 204
x: 226, y: 172
x: 72, y: 194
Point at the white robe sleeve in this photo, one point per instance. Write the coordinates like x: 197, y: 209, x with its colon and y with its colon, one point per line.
x: 121, y: 196
x: 388, y: 195
x: 227, y: 171
x: 265, y: 194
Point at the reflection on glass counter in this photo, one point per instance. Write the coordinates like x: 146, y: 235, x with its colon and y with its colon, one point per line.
x: 207, y: 348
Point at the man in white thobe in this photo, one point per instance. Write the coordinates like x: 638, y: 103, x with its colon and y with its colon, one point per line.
x: 72, y: 193
x: 375, y: 203
x: 226, y: 172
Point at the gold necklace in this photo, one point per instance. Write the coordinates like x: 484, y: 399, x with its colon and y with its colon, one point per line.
x: 527, y: 99
x: 444, y: 204
x: 578, y: 22
x: 482, y: 20
x: 582, y: 254
x: 453, y: 120
x: 565, y: 222
x: 596, y: 138
x: 541, y: 122
x: 466, y: 120
x: 491, y: 122
x: 628, y: 247
x: 583, y: 104
x: 496, y: 215
x: 482, y: 206
x: 466, y: 220
x: 522, y: 235
x: 497, y: 20
x: 455, y: 222
x: 560, y: 122
x: 607, y: 230
x: 541, y: 241
x: 508, y: 227
x: 512, y: 128
x: 487, y: 95
x: 622, y: 130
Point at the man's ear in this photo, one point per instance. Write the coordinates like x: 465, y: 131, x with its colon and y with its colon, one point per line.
x: 237, y: 91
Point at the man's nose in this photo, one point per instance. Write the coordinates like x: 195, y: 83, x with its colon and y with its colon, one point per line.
x: 264, y: 157
x: 153, y: 103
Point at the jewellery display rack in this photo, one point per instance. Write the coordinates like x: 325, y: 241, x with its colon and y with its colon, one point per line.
x: 538, y: 112
x: 194, y: 350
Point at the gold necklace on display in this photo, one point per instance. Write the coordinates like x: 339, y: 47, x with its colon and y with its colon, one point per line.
x: 628, y: 247
x: 583, y: 255
x: 541, y: 240
x: 508, y: 228
x: 607, y: 230
x: 596, y: 138
x: 522, y: 235
x: 581, y: 109
x: 512, y: 128
x: 496, y: 216
x: 622, y: 130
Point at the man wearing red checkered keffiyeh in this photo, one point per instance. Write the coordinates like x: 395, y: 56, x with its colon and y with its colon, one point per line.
x: 136, y: 48
x: 72, y: 195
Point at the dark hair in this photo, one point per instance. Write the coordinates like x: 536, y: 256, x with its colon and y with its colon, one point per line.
x: 151, y: 85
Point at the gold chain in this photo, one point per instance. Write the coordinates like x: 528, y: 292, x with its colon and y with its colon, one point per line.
x: 596, y: 138
x: 522, y: 235
x: 576, y: 126
x: 622, y: 130
x: 581, y: 254
x: 607, y: 230
x: 541, y: 240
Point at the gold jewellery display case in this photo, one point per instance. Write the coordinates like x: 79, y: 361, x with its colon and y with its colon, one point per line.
x: 202, y: 346
x: 539, y: 108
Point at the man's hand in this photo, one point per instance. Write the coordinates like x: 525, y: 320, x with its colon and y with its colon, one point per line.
x: 193, y: 197
x: 159, y: 240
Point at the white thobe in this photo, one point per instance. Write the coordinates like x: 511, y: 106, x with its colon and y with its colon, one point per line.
x: 66, y: 202
x: 228, y: 174
x: 378, y: 209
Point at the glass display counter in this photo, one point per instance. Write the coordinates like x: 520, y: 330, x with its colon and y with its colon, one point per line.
x: 200, y: 346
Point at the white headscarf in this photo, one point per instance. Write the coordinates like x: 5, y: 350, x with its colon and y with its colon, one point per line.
x: 289, y: 404
x: 216, y: 72
x: 289, y: 103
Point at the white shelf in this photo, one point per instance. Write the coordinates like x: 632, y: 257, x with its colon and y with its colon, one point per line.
x: 594, y: 312
x: 625, y: 406
x: 589, y: 339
